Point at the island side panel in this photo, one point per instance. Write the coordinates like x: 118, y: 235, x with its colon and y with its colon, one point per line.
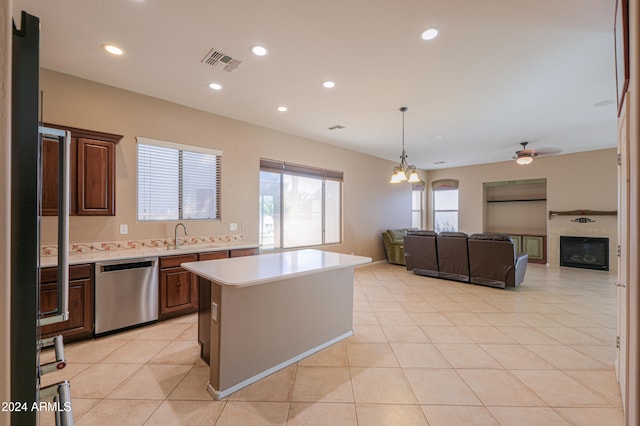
x: 265, y: 325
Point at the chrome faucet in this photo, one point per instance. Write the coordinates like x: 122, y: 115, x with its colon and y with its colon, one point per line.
x: 175, y: 235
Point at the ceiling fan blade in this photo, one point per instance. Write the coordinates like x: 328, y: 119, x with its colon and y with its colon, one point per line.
x: 547, y: 151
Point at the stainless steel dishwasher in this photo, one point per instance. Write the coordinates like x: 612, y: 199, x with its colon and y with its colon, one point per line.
x: 126, y: 293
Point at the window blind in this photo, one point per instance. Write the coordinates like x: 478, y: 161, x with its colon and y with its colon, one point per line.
x: 177, y: 182
x: 299, y: 170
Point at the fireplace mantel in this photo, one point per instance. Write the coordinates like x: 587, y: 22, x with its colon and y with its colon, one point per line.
x: 582, y: 213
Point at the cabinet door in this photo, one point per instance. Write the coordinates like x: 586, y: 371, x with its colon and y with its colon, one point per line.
x: 80, y: 322
x: 50, y: 176
x: 178, y: 292
x: 96, y: 177
x: 535, y: 248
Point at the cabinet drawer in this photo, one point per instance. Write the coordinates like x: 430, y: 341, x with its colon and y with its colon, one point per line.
x: 173, y: 261
x: 212, y: 255
x: 76, y: 272
x: 244, y: 252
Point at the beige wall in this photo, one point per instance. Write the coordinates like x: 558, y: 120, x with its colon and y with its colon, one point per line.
x: 371, y: 205
x: 5, y: 208
x: 574, y: 181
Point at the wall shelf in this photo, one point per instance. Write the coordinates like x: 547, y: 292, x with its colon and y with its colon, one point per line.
x: 527, y: 200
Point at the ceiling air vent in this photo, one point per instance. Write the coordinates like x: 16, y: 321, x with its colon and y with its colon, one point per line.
x: 217, y: 59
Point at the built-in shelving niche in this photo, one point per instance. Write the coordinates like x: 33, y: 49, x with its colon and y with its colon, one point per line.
x: 519, y: 208
x: 516, y: 207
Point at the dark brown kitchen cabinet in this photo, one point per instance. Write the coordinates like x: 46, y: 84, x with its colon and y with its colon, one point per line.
x: 178, y: 287
x: 80, y: 322
x: 244, y: 252
x: 92, y: 173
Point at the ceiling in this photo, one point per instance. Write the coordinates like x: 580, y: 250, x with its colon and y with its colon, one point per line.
x: 499, y: 73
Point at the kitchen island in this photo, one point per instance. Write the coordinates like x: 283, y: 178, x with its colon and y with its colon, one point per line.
x: 270, y: 311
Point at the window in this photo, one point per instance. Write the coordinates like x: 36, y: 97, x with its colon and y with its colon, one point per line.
x: 445, y: 205
x: 417, y: 189
x: 299, y: 205
x: 177, y: 182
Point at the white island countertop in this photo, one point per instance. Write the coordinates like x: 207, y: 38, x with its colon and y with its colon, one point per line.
x: 253, y: 270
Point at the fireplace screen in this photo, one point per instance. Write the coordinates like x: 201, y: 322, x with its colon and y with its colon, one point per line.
x: 584, y: 252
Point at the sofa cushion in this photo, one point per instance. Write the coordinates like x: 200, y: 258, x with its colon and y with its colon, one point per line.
x: 422, y: 233
x: 491, y: 236
x: 453, y: 234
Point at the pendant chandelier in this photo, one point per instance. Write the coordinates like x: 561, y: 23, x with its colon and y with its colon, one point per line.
x: 403, y: 169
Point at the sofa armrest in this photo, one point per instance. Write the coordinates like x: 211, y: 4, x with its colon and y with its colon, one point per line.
x: 522, y: 260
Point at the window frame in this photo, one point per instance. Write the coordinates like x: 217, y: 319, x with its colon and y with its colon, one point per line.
x: 181, y: 148
x: 284, y: 168
x: 441, y: 186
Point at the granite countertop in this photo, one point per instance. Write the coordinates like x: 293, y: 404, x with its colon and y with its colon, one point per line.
x: 254, y: 270
x: 108, y: 255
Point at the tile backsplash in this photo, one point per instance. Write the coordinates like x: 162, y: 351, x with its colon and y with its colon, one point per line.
x: 79, y: 248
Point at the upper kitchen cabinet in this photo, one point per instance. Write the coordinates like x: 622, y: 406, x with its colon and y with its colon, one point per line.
x: 92, y: 180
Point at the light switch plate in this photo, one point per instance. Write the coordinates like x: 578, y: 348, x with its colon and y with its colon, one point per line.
x: 124, y: 229
x: 233, y: 227
x: 214, y: 311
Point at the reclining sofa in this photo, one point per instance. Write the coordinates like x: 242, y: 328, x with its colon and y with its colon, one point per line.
x: 393, y: 240
x: 487, y: 259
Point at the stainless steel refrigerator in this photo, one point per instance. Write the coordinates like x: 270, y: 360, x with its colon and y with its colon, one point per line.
x: 27, y: 396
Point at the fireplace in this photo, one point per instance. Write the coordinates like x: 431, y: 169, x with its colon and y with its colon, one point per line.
x: 584, y: 252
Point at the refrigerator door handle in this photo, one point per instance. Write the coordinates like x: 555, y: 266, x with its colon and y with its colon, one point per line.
x: 64, y: 146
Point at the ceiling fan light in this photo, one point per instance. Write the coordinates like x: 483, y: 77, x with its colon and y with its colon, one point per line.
x: 524, y: 160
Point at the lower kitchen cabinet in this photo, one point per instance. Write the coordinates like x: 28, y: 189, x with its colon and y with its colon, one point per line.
x: 178, y: 287
x: 244, y: 252
x: 80, y: 322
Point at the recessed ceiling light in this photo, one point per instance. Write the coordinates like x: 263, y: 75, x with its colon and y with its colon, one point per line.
x: 329, y: 84
x: 282, y: 108
x: 113, y: 49
x: 429, y: 34
x: 215, y: 86
x: 259, y: 50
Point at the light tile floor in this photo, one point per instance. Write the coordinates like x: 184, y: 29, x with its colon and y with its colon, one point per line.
x: 425, y: 352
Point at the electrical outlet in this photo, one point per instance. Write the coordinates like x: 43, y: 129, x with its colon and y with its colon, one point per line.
x: 124, y: 229
x: 233, y: 227
x: 214, y: 311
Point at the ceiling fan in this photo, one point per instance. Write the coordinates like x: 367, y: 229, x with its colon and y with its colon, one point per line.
x: 525, y: 156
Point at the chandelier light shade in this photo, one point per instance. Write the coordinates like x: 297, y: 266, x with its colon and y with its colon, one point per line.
x: 403, y: 169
